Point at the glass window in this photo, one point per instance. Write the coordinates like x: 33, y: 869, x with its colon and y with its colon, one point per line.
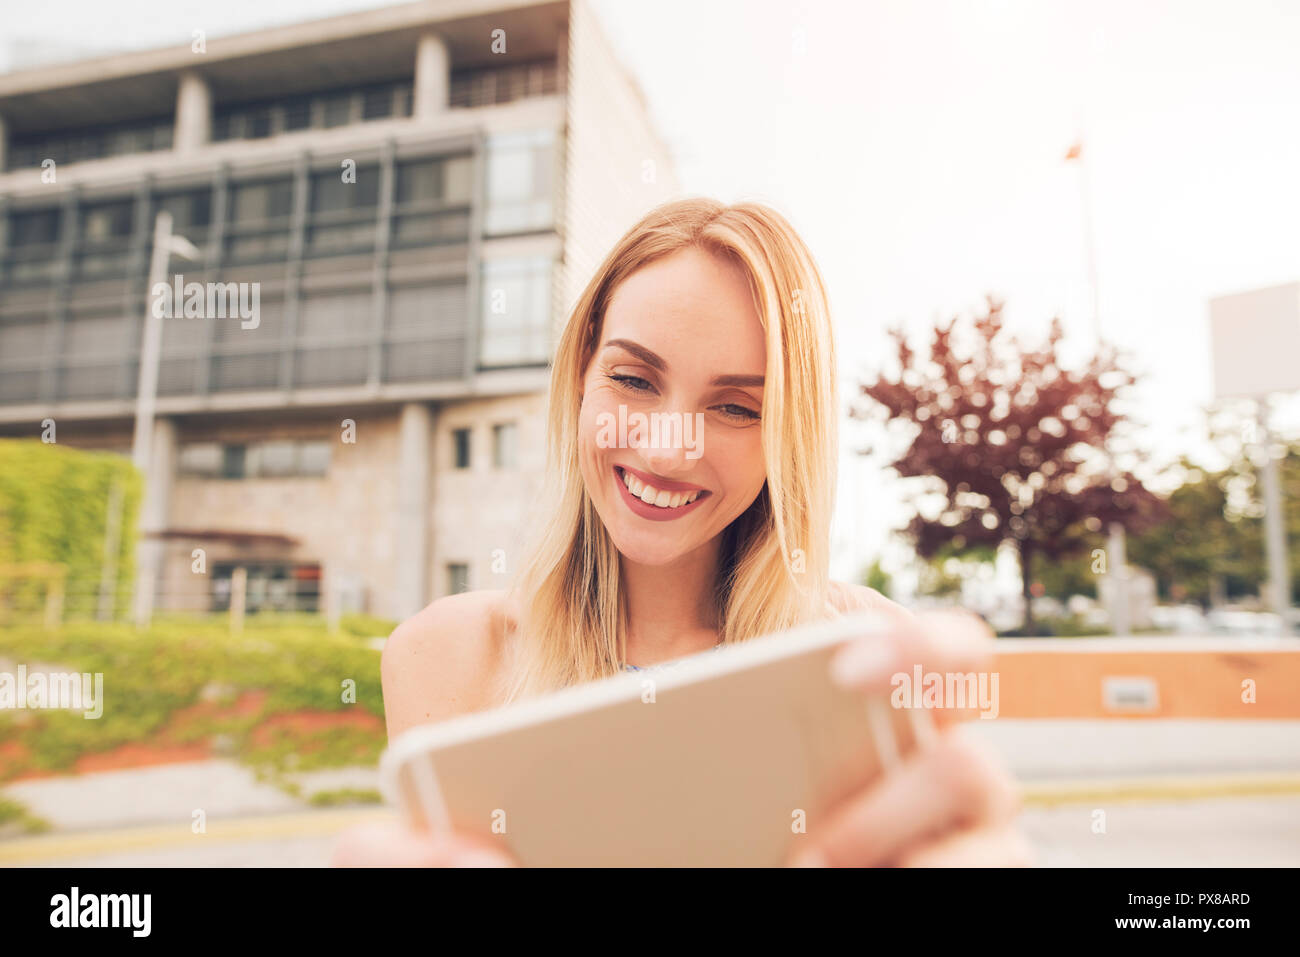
x: 448, y: 179
x: 520, y: 182
x: 85, y: 146
x: 106, y: 221
x: 24, y: 337
x: 268, y: 199
x: 200, y: 459
x: 270, y: 586
x: 189, y: 209
x: 377, y: 103
x: 257, y: 123
x: 329, y: 192
x: 338, y: 109
x: 331, y: 365
x: 242, y: 371
x: 329, y: 318
x: 428, y: 312
x: 273, y: 459
x: 460, y: 444
x: 457, y: 578
x: 222, y: 127
x: 418, y: 182
x: 102, y: 334
x: 34, y: 227
x: 458, y: 179
x: 314, y: 457
x: 131, y: 140
x: 504, y: 445
x: 233, y: 461
x: 297, y: 113
x: 516, y: 312
x: 276, y: 459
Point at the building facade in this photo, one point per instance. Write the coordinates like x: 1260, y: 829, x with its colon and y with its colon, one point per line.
x: 417, y: 195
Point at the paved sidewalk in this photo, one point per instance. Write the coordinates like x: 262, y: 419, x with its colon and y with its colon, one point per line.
x: 1047, y: 749
x: 304, y: 838
x: 1223, y: 832
x: 172, y: 793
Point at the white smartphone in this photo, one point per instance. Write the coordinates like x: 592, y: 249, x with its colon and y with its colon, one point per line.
x: 725, y: 759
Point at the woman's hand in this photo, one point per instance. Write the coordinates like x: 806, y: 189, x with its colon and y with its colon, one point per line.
x: 951, y: 802
x: 390, y: 844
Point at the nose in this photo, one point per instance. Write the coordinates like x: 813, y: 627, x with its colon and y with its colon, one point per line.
x: 664, y: 444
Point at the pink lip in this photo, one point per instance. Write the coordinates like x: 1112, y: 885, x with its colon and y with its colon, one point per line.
x: 653, y: 512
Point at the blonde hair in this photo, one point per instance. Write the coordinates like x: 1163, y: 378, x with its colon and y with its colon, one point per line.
x: 773, y: 565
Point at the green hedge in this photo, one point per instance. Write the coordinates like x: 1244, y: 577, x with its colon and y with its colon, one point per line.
x: 54, y: 508
x: 151, y: 674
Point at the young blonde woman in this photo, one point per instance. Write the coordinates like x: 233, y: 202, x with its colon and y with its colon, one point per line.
x: 655, y: 550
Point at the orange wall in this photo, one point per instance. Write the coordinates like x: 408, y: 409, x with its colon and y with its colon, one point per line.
x: 1191, y: 684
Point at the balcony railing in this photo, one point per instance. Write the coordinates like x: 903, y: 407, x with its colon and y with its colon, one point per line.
x: 490, y: 86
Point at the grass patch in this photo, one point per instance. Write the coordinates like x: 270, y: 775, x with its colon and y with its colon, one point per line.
x: 16, y: 819
x: 151, y: 674
x: 1072, y: 626
x: 346, y: 796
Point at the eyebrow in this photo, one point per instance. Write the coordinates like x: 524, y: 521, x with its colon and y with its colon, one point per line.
x: 656, y: 362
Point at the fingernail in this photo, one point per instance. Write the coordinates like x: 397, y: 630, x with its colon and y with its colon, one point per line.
x: 810, y: 858
x: 864, y: 662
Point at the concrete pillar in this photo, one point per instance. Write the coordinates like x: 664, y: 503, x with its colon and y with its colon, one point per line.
x: 1121, y: 619
x: 414, y: 475
x: 432, y: 77
x: 193, y: 127
x: 153, y: 519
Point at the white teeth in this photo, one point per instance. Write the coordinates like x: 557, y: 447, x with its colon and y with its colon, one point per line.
x: 657, y: 497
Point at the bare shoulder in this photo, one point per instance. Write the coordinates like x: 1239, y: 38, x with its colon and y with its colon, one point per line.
x: 847, y: 598
x: 446, y: 659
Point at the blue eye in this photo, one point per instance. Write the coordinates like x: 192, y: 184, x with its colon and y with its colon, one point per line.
x: 738, y: 412
x: 635, y: 383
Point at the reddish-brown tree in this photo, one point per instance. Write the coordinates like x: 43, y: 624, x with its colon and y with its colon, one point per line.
x: 1013, y: 441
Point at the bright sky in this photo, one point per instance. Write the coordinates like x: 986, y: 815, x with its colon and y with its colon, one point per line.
x: 918, y: 145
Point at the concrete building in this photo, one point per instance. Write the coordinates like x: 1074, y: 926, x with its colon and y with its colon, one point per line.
x: 419, y: 194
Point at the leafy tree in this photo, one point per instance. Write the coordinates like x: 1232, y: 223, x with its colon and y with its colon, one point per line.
x: 937, y: 581
x: 1008, y: 440
x: 1073, y: 574
x: 877, y: 578
x: 1201, y: 541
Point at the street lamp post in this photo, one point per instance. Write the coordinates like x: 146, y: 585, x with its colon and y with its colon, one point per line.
x: 1279, y: 572
x: 1116, y: 545
x: 153, y: 517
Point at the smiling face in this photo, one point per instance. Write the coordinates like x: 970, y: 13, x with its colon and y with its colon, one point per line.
x: 682, y: 356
